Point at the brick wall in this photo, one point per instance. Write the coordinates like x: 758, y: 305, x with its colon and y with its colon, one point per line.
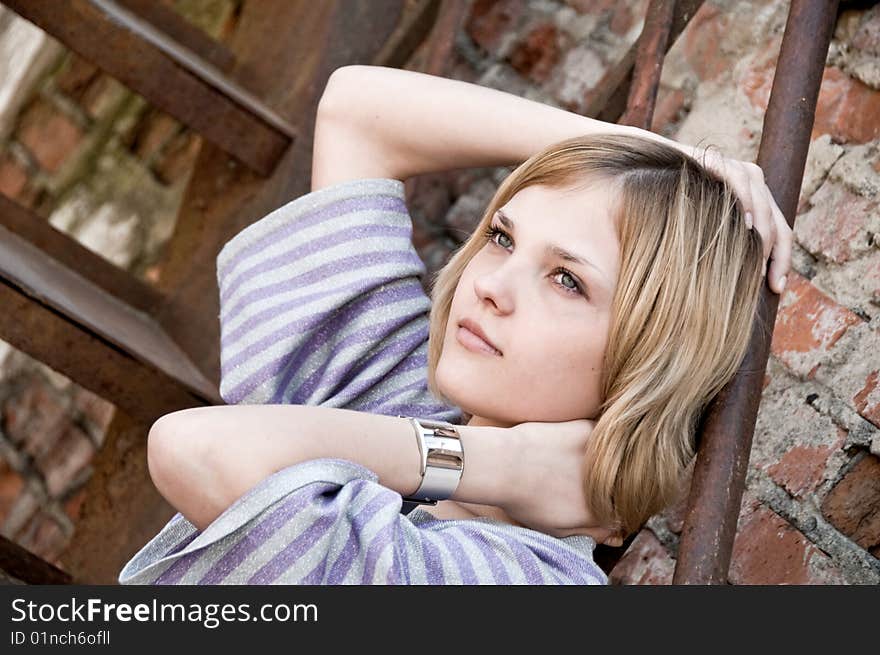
x: 811, y: 509
x: 99, y: 163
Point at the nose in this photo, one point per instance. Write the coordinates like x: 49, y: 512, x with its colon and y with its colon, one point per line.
x: 493, y: 287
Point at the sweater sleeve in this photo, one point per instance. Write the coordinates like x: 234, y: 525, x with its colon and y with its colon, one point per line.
x: 321, y: 303
x: 328, y: 521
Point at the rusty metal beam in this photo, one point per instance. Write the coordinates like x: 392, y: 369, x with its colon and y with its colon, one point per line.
x: 644, y: 83
x: 414, y: 28
x: 68, y: 251
x: 609, y: 101
x: 652, y: 47
x: 66, y: 321
x: 21, y: 564
x: 182, y: 31
x: 729, y: 422
x: 170, y: 77
x: 286, y: 49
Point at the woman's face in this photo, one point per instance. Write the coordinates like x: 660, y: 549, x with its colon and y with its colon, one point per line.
x: 550, y: 325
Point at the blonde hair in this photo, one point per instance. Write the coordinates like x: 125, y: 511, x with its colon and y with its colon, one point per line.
x: 681, y: 317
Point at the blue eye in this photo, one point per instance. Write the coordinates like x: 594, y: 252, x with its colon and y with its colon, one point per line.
x: 492, y: 231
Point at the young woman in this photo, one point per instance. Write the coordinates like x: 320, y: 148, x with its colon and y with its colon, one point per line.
x: 605, y: 296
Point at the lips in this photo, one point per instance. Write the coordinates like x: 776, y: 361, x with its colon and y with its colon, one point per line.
x: 477, y: 337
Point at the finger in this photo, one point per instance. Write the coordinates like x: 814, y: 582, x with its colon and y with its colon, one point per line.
x: 766, y: 227
x: 762, y: 210
x: 782, y: 248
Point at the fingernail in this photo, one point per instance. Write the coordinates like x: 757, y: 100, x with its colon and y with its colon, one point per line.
x: 764, y: 269
x: 749, y: 220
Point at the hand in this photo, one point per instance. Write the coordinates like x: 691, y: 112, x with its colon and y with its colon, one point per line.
x: 747, y: 180
x: 551, y: 499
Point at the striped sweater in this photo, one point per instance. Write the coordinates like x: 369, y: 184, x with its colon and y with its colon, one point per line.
x: 321, y: 304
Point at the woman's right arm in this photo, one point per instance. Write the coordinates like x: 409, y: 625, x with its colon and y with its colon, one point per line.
x: 374, y: 121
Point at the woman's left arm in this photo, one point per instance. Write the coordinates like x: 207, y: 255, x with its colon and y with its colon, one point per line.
x: 201, y: 461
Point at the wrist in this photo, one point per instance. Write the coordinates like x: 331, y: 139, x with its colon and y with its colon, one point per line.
x: 490, y: 465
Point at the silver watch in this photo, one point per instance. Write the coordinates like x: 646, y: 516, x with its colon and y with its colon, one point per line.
x: 442, y: 460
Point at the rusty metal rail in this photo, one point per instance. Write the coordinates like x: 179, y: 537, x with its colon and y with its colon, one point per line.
x: 169, y: 75
x: 172, y: 24
x: 729, y: 422
x: 67, y: 321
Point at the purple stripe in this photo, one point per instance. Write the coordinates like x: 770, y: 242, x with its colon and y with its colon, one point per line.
x: 525, y: 558
x: 289, y: 363
x: 346, y: 372
x: 296, y: 359
x: 374, y: 333
x: 317, y: 573
x: 415, y: 361
x: 183, y: 543
x: 420, y: 385
x: 314, y: 217
x: 581, y: 569
x: 433, y: 562
x: 302, y: 250
x: 272, y: 569
x: 465, y: 568
x: 377, y: 546
x: 320, y: 274
x: 359, y: 287
x: 352, y: 547
x: 487, y: 548
x: 258, y: 535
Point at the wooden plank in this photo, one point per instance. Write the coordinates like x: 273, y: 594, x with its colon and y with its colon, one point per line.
x: 287, y: 50
x: 182, y: 31
x: 69, y: 252
x: 23, y: 566
x: 184, y: 87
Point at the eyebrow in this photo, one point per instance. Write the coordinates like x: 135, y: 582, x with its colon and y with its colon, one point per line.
x: 552, y: 248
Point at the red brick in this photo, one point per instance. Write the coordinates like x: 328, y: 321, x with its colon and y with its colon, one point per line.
x: 94, y: 409
x: 178, y: 158
x: 61, y: 464
x: 154, y: 131
x: 78, y: 74
x: 847, y: 109
x: 13, y: 177
x: 801, y: 468
x: 702, y: 42
x: 73, y: 506
x: 490, y: 20
x: 537, y: 53
x: 767, y: 550
x: 48, y: 134
x: 808, y: 324
x: 836, y: 226
x: 34, y: 417
x: 43, y: 537
x: 668, y: 108
x: 646, y: 562
x: 853, y: 506
x: 757, y: 81
x: 101, y: 94
x: 623, y: 20
x: 867, y: 401
x: 11, y: 484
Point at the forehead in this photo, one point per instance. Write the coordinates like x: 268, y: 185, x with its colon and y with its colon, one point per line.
x: 580, y: 219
